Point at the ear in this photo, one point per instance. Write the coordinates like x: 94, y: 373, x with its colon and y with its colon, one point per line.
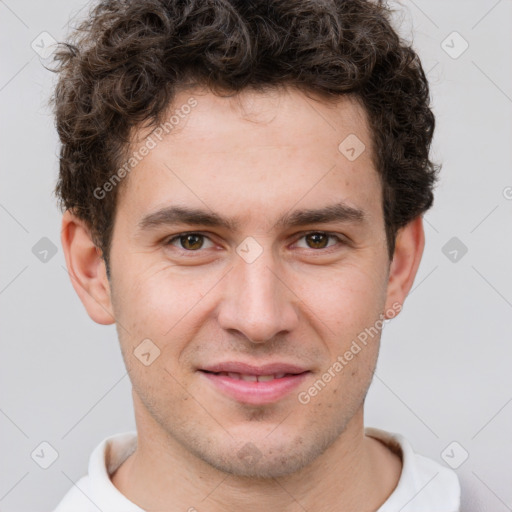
x: 410, y: 242
x: 86, y: 269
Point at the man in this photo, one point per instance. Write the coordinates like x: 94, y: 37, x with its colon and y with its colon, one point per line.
x: 243, y: 186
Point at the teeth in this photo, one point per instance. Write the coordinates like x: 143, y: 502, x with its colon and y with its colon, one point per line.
x: 249, y: 378
x: 252, y: 378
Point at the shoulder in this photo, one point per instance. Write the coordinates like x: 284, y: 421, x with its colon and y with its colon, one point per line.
x: 424, y: 484
x: 95, y: 491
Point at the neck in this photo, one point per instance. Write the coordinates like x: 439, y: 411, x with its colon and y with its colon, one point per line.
x: 356, y: 473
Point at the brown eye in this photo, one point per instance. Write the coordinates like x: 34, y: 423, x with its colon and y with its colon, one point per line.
x: 191, y: 242
x: 317, y: 240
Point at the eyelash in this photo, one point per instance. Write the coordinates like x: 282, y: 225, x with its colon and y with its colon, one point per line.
x: 189, y: 251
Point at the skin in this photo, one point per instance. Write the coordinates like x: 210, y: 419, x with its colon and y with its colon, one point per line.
x: 255, y: 157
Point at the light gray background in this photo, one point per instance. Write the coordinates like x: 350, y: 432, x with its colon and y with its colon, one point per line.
x: 444, y: 370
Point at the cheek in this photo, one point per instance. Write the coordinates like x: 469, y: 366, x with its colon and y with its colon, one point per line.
x: 346, y: 300
x: 156, y: 297
x: 162, y: 304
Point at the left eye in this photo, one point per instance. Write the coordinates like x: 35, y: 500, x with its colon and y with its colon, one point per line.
x: 318, y: 240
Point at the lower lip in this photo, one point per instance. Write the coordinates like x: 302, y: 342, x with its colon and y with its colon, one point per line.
x: 256, y: 393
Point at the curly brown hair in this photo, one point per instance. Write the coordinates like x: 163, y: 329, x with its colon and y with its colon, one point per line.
x: 124, y: 64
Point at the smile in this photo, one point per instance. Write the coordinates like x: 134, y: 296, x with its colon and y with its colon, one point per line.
x: 253, y: 378
x: 253, y: 385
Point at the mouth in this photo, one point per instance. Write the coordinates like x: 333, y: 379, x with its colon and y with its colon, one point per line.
x: 256, y: 385
x: 252, y: 378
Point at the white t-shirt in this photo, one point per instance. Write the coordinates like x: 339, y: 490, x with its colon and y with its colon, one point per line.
x: 424, y: 485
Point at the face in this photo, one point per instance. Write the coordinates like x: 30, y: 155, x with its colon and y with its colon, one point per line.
x: 247, y: 296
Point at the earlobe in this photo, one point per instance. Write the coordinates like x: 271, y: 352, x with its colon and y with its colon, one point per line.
x: 86, y: 269
x: 410, y: 242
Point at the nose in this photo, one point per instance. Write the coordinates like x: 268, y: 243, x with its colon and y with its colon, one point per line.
x: 258, y: 303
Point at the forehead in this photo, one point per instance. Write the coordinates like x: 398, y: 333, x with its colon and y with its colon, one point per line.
x: 255, y: 152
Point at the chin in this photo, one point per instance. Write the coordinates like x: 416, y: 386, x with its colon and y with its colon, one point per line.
x: 264, y: 459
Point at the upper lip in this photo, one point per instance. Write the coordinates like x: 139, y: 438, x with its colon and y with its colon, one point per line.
x: 249, y: 369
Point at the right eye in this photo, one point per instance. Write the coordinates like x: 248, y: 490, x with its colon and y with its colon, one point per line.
x: 189, y: 242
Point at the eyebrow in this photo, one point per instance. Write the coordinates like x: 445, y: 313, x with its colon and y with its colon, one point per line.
x: 339, y: 212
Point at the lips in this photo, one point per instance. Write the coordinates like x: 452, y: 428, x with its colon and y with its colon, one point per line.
x: 252, y: 378
x: 248, y: 369
x: 252, y: 384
